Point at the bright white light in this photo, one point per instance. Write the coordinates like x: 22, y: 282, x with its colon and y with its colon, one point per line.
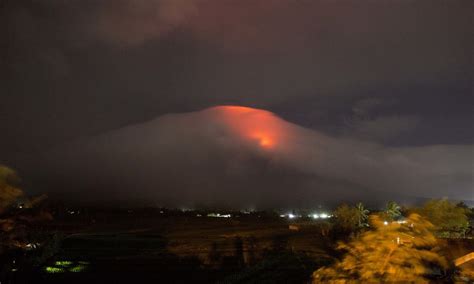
x: 291, y: 216
x: 385, y: 223
x: 323, y: 215
x: 218, y: 215
x: 315, y: 216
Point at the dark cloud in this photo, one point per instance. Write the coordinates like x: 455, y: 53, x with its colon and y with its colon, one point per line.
x: 130, y: 23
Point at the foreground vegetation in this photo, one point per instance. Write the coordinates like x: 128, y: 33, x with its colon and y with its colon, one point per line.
x: 357, y: 244
x: 394, y: 252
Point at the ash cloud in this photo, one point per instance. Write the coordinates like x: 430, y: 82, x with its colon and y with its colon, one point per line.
x: 200, y: 159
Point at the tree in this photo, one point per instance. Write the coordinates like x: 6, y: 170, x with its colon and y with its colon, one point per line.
x: 362, y: 215
x: 346, y: 218
x: 392, y: 253
x: 449, y: 219
x: 9, y: 191
x: 18, y: 215
x: 349, y: 219
x: 9, y: 195
x: 392, y: 211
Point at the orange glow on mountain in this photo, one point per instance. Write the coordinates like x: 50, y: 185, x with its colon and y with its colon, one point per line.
x: 265, y: 142
x: 256, y: 126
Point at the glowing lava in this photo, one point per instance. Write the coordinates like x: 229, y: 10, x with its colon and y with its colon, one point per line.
x: 257, y: 126
x: 265, y: 142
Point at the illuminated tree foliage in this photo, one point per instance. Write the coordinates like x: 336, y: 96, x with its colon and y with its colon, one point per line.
x: 347, y: 218
x: 17, y: 213
x: 449, y: 219
x: 9, y: 192
x: 362, y: 215
x: 351, y: 219
x: 393, y: 253
x: 62, y: 266
x: 392, y: 211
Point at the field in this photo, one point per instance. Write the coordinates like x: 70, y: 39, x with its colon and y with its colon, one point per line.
x: 170, y: 249
x: 151, y: 247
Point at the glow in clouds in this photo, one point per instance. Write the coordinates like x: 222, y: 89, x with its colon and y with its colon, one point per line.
x: 254, y: 125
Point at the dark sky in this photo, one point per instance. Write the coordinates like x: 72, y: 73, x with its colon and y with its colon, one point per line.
x: 394, y: 74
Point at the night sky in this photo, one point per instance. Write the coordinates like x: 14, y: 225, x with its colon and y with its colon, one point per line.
x: 349, y: 99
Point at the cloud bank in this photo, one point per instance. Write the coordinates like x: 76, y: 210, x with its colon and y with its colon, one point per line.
x: 238, y: 156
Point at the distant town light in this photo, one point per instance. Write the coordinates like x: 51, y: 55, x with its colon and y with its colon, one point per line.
x: 291, y: 216
x: 385, y: 223
x: 218, y: 215
x: 324, y: 216
x: 32, y: 246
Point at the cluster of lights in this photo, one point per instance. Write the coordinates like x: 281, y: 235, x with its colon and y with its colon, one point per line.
x: 289, y: 215
x: 314, y: 216
x: 320, y: 216
x: 218, y: 215
x: 399, y: 222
